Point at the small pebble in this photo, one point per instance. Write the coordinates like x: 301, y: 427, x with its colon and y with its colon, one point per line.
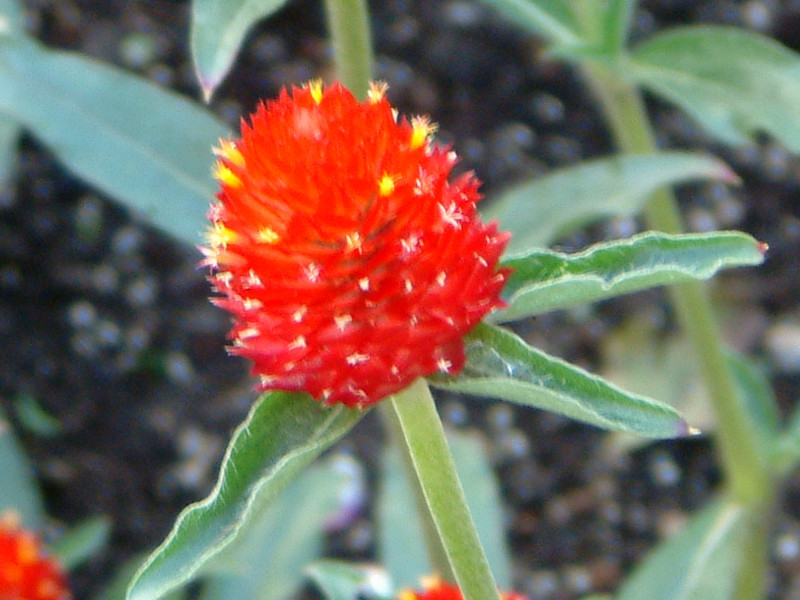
x: 547, y: 109
x: 782, y: 341
x: 787, y: 547
x: 455, y: 414
x: 81, y: 314
x: 664, y: 471
x: 541, y: 585
x: 578, y: 579
x: 141, y: 292
x: 137, y: 50
x: 178, y: 368
x: 500, y: 416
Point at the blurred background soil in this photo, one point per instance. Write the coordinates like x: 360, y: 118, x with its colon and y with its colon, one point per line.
x: 105, y: 323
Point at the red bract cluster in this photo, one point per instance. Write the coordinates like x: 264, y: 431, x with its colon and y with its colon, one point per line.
x: 352, y: 264
x: 26, y: 573
x: 436, y: 589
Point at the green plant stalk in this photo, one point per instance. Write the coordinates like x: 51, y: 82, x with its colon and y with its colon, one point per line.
x: 349, y: 30
x: 744, y: 460
x: 458, y: 553
x: 424, y: 442
x: 433, y: 544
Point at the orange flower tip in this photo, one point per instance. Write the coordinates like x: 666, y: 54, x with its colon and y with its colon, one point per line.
x: 351, y: 263
x: 434, y: 588
x: 267, y: 235
x: 353, y: 242
x: 228, y: 151
x: 219, y: 236
x: 377, y: 91
x: 421, y: 130
x: 26, y: 571
x: 225, y: 176
x: 315, y: 89
x: 386, y: 185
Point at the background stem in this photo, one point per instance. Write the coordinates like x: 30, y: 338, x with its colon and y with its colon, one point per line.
x: 429, y: 454
x: 349, y: 31
x: 436, y: 552
x: 744, y: 460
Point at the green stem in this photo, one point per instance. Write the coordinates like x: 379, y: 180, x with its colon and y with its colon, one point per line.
x: 744, y: 460
x: 428, y: 452
x: 436, y: 552
x: 349, y: 30
x: 742, y: 455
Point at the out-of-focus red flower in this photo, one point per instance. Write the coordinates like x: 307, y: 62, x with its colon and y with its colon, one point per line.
x: 26, y: 573
x: 436, y: 589
x: 352, y: 264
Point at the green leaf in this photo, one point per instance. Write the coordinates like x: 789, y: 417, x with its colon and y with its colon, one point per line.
x: 501, y: 365
x: 400, y: 539
x: 18, y: 491
x: 539, y: 211
x: 9, y: 138
x: 640, y: 358
x: 340, y: 580
x: 116, y: 588
x: 758, y: 396
x: 34, y: 419
x: 422, y: 435
x: 545, y: 280
x: 282, y: 434
x: 82, y: 541
x: 267, y: 561
x: 699, y: 563
x: 12, y: 18
x: 617, y: 24
x: 218, y: 30
x: 141, y: 144
x: 732, y: 81
x: 401, y: 543
x: 551, y: 18
x: 483, y: 499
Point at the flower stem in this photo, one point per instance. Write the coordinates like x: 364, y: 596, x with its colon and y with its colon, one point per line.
x: 744, y: 459
x: 349, y: 30
x: 427, y: 450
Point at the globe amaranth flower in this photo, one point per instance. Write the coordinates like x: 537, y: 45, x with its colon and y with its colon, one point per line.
x: 26, y: 572
x: 351, y: 262
x: 437, y: 589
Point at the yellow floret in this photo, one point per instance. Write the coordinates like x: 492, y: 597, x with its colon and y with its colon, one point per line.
x: 225, y: 176
x: 227, y: 150
x: 386, y: 185
x: 268, y: 235
x: 315, y: 87
x: 421, y: 128
x: 377, y: 90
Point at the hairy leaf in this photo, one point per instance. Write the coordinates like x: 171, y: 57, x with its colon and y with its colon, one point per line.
x: 545, y: 280
x: 135, y: 141
x: 539, y: 211
x: 501, y: 365
x: 733, y: 81
x: 218, y: 30
x: 280, y: 437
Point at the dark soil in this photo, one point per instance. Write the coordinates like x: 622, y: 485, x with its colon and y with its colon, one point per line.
x: 106, y: 324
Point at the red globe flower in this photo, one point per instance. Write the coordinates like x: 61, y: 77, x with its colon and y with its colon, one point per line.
x: 436, y: 589
x: 26, y: 573
x: 352, y: 264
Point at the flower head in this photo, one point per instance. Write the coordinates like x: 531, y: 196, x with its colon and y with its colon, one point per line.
x: 353, y: 265
x: 436, y: 589
x: 26, y: 573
